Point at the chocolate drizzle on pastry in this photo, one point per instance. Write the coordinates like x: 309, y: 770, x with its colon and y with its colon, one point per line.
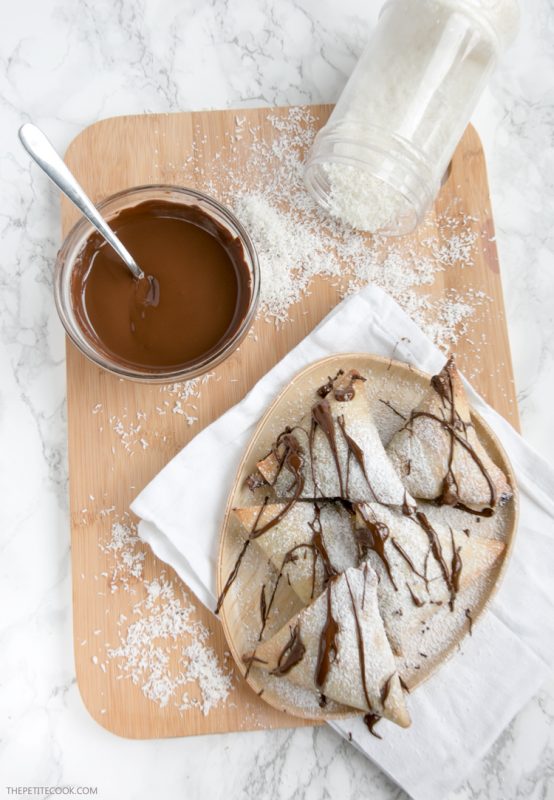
x: 388, y: 404
x: 235, y: 571
x: 328, y: 644
x: 326, y: 442
x: 292, y: 653
x: 371, y: 721
x: 360, y: 640
x: 342, y: 385
x: 323, y: 419
x: 451, y: 578
x: 320, y: 550
x: 373, y: 536
x: 398, y: 547
x: 293, y: 461
x: 457, y: 430
x: 415, y: 599
x: 455, y: 570
x: 469, y: 618
x: 355, y: 450
x: 232, y: 577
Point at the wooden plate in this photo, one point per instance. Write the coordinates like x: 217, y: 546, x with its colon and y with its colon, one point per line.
x: 403, y: 385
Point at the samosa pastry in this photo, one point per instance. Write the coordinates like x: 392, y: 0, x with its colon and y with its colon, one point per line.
x: 338, y: 648
x: 334, y: 451
x: 438, y: 455
x: 421, y: 566
x: 307, y: 545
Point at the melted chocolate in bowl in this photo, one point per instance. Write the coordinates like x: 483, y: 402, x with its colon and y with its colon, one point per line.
x: 194, y: 299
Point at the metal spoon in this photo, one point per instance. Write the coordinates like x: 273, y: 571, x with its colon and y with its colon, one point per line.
x: 41, y: 150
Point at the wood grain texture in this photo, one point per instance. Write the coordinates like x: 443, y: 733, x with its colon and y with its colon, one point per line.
x: 127, y: 151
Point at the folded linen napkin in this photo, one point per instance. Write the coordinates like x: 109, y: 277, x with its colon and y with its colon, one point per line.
x: 458, y: 713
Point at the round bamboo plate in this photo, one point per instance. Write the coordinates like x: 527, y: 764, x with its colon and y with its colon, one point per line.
x: 388, y: 380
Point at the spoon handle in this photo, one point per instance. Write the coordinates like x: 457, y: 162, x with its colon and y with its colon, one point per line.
x: 42, y: 151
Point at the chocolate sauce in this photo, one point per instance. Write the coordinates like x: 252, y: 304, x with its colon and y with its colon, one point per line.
x: 194, y: 297
x: 371, y: 721
x: 320, y: 550
x: 469, y: 618
x: 289, y: 558
x: 324, y: 390
x: 415, y: 599
x: 457, y: 429
x: 408, y: 560
x: 342, y: 385
x: 232, y: 577
x: 322, y: 418
x: 407, y: 509
x: 292, y: 653
x: 328, y: 644
x: 263, y: 605
x: 361, y: 651
x: 455, y: 569
x: 235, y: 571
x: 355, y: 450
x: 249, y: 660
x: 451, y: 579
x: 449, y: 494
x: 293, y: 461
x: 388, y: 404
x: 374, y: 537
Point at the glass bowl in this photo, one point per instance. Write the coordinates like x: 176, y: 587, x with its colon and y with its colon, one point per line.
x: 68, y: 258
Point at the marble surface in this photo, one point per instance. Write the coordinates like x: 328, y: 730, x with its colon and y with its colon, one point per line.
x: 65, y: 64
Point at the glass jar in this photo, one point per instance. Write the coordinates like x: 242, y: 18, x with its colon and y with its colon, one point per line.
x: 68, y: 262
x: 377, y: 164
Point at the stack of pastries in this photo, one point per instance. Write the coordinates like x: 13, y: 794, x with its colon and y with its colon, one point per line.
x: 363, y: 536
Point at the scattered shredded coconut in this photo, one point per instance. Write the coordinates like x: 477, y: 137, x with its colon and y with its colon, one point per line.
x: 296, y: 241
x: 162, y: 648
x: 128, y: 553
x: 154, y: 640
x: 182, y: 396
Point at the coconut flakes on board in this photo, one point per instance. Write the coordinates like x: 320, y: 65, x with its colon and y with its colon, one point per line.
x: 297, y: 241
x: 162, y: 648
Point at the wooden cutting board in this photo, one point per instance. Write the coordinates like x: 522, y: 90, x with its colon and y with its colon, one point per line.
x: 109, y: 464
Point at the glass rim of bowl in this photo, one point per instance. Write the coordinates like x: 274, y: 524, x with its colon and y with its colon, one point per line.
x: 73, y: 244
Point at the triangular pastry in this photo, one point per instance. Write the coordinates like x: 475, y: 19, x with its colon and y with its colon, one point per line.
x: 438, y: 455
x: 307, y: 546
x: 421, y: 566
x: 334, y: 451
x: 338, y: 648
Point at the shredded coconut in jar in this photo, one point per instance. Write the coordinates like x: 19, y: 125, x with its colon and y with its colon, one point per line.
x: 361, y: 200
x: 378, y: 163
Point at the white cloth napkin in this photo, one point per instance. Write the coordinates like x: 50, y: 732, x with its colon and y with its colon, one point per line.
x: 459, y: 712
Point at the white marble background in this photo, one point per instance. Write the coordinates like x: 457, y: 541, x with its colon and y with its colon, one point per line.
x: 65, y: 64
